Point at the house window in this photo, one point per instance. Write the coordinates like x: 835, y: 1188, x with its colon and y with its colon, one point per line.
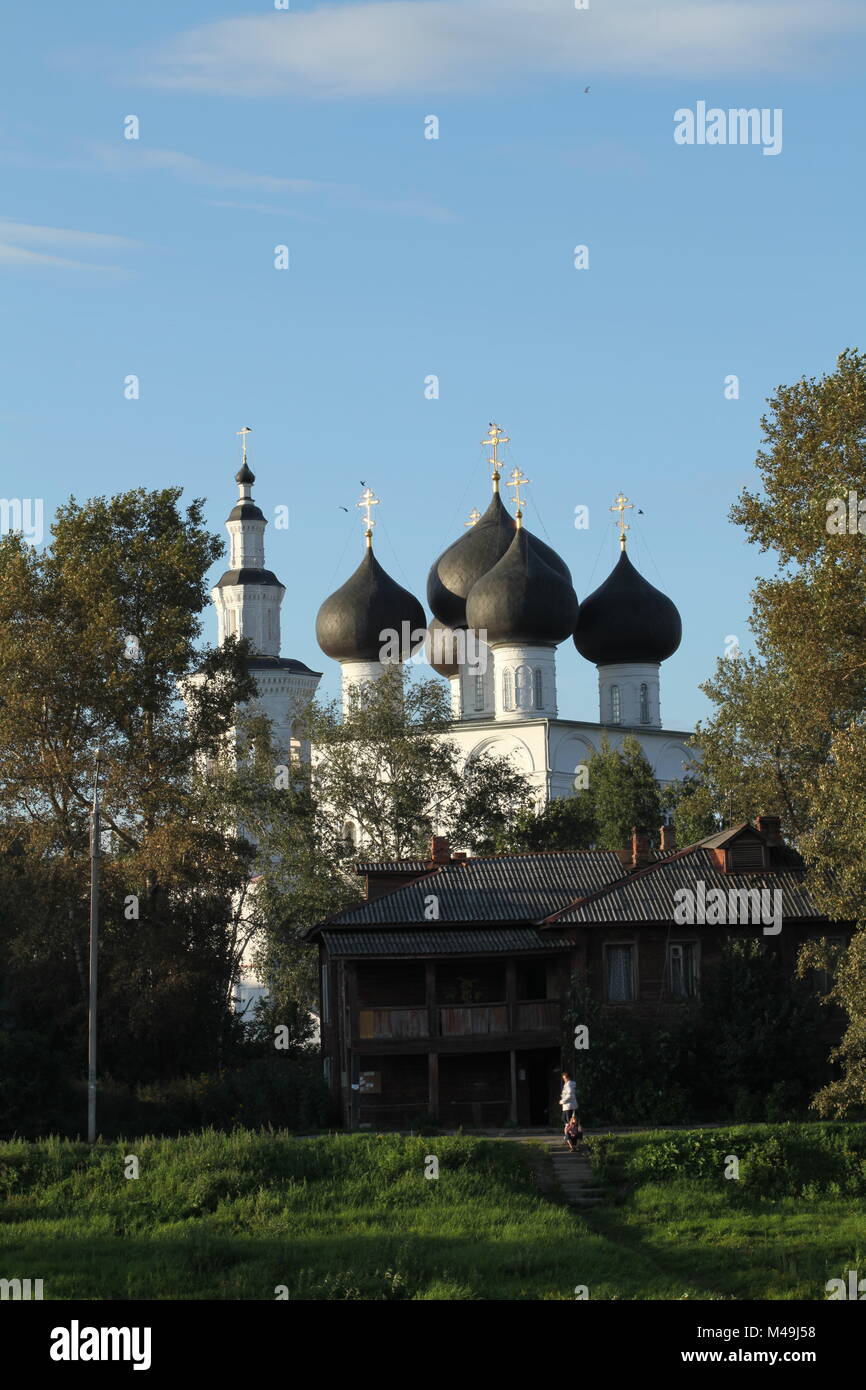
x: 327, y: 1069
x: 326, y: 995
x: 537, y: 688
x: 619, y: 971
x: 615, y: 705
x: 507, y: 690
x: 644, y: 705
x: 683, y: 969
x: 479, y: 692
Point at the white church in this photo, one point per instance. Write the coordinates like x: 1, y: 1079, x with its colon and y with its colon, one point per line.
x: 502, y: 602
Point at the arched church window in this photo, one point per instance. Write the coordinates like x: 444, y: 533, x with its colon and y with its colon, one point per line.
x: 479, y: 692
x: 537, y: 688
x: 523, y: 687
x: 615, y: 705
x: 507, y: 689
x: 644, y: 705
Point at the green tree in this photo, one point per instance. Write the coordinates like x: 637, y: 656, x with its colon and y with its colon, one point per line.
x: 787, y: 733
x: 565, y: 824
x: 692, y: 809
x: 624, y: 793
x: 779, y: 709
x: 96, y: 633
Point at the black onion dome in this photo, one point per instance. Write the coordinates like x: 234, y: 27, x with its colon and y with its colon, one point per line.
x: 348, y: 623
x: 465, y: 561
x: 522, y: 599
x: 548, y: 555
x: 245, y: 475
x: 626, y: 619
x: 249, y: 576
x: 246, y: 511
x: 440, y: 648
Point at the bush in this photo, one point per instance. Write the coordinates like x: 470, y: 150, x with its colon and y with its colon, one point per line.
x: 281, y: 1092
x: 35, y: 1096
x: 805, y: 1160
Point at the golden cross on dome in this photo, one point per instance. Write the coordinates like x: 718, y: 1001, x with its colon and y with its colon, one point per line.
x: 516, y: 481
x: 495, y: 438
x: 622, y: 505
x: 243, y: 434
x: 368, y: 500
x: 474, y: 516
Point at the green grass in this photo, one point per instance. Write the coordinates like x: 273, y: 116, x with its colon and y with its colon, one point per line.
x: 234, y: 1216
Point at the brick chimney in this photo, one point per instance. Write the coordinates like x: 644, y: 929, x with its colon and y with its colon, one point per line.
x: 771, y: 829
x: 638, y: 852
x: 667, y: 838
x: 440, y: 850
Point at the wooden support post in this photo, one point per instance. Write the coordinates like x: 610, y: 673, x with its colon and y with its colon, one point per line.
x: 430, y: 999
x: 433, y: 1083
x: 512, y: 1107
x: 511, y: 993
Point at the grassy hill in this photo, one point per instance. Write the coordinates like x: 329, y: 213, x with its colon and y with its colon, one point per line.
x: 248, y: 1214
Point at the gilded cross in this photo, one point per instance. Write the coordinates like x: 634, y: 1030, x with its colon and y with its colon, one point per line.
x: 474, y: 516
x: 368, y: 500
x: 243, y: 433
x: 517, y: 481
x: 622, y: 505
x: 495, y: 438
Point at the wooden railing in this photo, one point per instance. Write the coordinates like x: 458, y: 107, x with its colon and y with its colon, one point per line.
x: 468, y: 1020
x: 460, y: 1020
x: 392, y: 1023
x: 537, y: 1015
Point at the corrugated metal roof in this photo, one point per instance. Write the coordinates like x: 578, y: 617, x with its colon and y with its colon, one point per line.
x: 649, y: 896
x: 393, y: 866
x: 421, y: 942
x: 520, y: 888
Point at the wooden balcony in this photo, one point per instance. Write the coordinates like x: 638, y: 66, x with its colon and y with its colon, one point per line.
x: 537, y: 1015
x: 459, y: 1020
x: 392, y: 1023
x: 470, y: 1020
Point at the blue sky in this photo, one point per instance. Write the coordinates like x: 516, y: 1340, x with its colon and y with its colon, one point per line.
x: 412, y: 257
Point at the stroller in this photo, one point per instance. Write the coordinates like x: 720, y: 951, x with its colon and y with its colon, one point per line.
x: 573, y: 1134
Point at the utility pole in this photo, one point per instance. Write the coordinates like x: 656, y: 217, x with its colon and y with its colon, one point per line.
x: 94, y: 954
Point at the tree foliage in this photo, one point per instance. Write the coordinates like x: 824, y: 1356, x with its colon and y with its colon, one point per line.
x: 96, y: 633
x: 787, y: 734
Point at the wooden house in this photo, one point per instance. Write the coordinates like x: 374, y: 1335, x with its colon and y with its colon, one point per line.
x: 445, y: 994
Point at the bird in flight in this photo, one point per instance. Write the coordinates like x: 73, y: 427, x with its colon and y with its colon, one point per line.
x: 342, y: 509
x: 585, y: 90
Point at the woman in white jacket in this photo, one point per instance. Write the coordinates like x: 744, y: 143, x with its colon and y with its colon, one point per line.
x: 568, y: 1099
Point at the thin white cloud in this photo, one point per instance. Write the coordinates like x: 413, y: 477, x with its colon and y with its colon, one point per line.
x: 28, y: 232
x: 130, y: 158
x: 16, y: 238
x: 412, y: 46
x: 20, y: 256
x: 264, y: 208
